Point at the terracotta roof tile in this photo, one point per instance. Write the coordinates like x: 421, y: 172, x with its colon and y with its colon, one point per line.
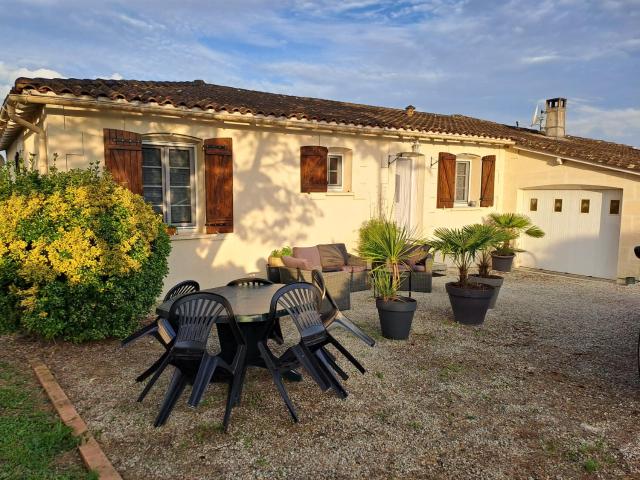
x: 198, y: 94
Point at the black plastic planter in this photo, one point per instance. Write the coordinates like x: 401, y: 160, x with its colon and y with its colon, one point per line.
x: 502, y: 263
x: 396, y: 317
x: 494, y: 280
x: 469, y: 305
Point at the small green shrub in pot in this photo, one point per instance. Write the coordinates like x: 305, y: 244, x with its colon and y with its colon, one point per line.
x: 387, y: 245
x: 513, y: 225
x: 81, y: 258
x: 484, y: 264
x: 275, y: 258
x: 469, y: 301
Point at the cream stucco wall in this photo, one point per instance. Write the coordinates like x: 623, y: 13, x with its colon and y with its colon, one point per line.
x: 531, y: 170
x: 270, y: 211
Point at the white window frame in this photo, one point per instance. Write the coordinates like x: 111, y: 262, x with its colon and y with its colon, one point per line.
x: 464, y: 202
x: 338, y: 187
x: 166, y: 191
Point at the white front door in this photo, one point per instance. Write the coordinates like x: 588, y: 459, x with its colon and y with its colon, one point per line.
x: 582, y: 231
x: 404, y: 193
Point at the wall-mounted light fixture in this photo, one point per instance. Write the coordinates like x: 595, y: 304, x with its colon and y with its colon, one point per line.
x: 414, y: 153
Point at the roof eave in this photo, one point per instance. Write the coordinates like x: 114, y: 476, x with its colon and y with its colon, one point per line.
x: 258, y: 120
x: 578, y: 160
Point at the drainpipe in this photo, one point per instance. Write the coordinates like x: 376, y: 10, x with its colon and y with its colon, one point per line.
x: 42, y: 136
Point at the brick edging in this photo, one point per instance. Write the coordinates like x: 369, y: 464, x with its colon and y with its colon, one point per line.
x: 90, y: 451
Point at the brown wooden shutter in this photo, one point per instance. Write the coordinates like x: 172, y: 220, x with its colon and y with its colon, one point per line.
x: 218, y: 177
x: 446, y: 180
x: 313, y: 169
x: 123, y: 158
x: 488, y: 180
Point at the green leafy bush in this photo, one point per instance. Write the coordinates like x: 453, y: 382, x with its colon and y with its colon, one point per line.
x: 81, y: 258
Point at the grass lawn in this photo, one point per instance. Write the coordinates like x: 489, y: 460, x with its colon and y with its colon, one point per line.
x: 34, y: 444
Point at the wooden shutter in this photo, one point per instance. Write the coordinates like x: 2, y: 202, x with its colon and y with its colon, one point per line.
x: 218, y: 175
x: 313, y: 169
x: 123, y: 158
x: 488, y: 180
x: 446, y: 180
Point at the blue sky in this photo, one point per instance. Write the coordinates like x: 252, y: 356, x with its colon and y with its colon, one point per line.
x: 492, y: 60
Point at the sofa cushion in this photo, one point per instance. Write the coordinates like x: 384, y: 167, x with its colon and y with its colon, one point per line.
x: 417, y: 255
x: 331, y: 257
x: 292, y: 262
x: 310, y: 254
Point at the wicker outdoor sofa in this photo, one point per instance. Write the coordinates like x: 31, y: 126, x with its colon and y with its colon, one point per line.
x: 345, y: 273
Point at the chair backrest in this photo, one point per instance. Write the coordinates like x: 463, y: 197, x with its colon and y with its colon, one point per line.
x: 318, y: 281
x: 182, y: 288
x: 302, y: 302
x: 195, y: 314
x: 249, y: 282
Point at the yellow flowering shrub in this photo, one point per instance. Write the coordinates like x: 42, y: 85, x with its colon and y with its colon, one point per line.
x: 80, y: 257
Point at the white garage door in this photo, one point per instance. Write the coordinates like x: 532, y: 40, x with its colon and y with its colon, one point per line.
x: 582, y: 231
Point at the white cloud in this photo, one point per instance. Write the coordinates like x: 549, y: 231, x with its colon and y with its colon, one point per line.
x: 622, y: 124
x: 537, y: 59
x: 8, y: 75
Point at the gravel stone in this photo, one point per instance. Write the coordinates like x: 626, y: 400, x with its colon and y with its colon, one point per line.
x: 547, y: 383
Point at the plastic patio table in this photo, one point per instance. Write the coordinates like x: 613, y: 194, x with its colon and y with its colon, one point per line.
x: 251, y: 307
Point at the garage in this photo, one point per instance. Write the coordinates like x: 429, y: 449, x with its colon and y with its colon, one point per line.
x: 582, y: 227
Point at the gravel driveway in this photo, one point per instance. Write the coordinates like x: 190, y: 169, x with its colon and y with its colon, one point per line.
x: 547, y: 388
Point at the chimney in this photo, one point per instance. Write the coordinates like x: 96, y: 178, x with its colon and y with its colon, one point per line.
x: 410, y: 110
x: 555, y: 117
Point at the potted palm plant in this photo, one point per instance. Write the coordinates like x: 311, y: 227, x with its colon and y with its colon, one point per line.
x: 469, y: 301
x: 484, y: 266
x: 387, y: 246
x: 513, y: 225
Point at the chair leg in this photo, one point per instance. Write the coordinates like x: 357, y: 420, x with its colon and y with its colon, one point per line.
x: 332, y: 363
x: 233, y: 394
x: 348, y: 325
x: 277, y: 379
x: 305, y: 358
x: 176, y: 387
x: 144, y: 375
x: 337, y: 386
x: 146, y: 330
x: 242, y: 374
x: 346, y: 353
x: 155, y: 377
x: 206, y: 370
x: 276, y: 333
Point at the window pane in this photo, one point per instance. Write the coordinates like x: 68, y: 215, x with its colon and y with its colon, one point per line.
x: 180, y: 177
x: 533, y: 205
x: 557, y: 205
x: 153, y: 195
x: 151, y: 157
x: 179, y: 158
x: 180, y: 214
x: 334, y: 170
x: 584, y: 205
x: 151, y: 176
x: 180, y: 196
x: 614, y: 207
x: 462, y: 172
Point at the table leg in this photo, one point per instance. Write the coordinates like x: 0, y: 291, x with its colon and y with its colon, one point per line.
x: 253, y: 333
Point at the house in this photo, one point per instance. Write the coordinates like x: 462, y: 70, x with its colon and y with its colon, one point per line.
x: 242, y: 172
